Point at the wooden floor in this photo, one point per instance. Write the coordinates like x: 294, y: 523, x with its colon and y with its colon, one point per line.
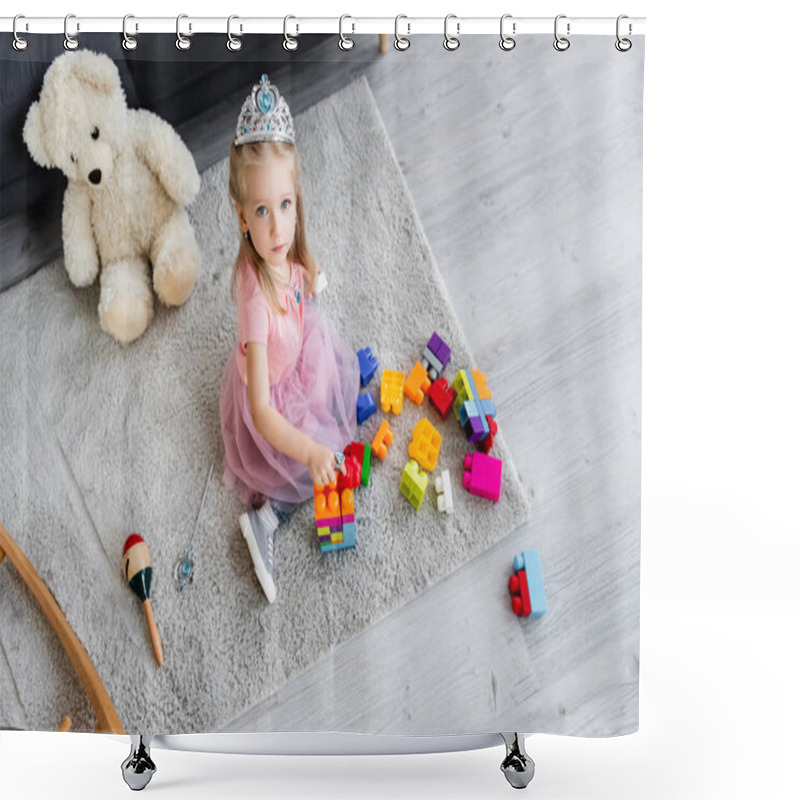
x: 525, y: 168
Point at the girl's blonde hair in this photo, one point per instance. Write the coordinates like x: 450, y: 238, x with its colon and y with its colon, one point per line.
x: 243, y: 158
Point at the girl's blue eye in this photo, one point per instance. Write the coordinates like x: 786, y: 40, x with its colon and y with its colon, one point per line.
x: 285, y: 204
x: 261, y: 210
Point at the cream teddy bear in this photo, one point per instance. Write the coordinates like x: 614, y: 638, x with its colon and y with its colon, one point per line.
x: 129, y: 176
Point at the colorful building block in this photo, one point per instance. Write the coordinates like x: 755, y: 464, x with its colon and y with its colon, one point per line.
x: 365, y: 407
x: 485, y: 444
x: 474, y: 416
x: 368, y: 365
x: 383, y: 438
x: 444, y: 490
x: 363, y: 455
x: 334, y: 515
x: 442, y: 397
x: 413, y: 484
x: 392, y: 391
x: 348, y: 520
x: 351, y: 477
x: 483, y: 475
x: 417, y: 384
x: 527, y: 585
x: 425, y: 444
x: 435, y: 357
x: 470, y: 384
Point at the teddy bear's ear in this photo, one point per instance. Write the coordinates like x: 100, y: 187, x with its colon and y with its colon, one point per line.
x: 33, y: 136
x: 96, y: 70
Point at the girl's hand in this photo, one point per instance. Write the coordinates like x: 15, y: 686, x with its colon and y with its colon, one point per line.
x: 321, y: 464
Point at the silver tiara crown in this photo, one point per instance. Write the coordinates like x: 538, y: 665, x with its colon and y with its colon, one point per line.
x: 265, y: 116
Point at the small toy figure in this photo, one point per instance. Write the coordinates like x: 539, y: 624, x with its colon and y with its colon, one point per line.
x: 137, y: 567
x: 527, y: 586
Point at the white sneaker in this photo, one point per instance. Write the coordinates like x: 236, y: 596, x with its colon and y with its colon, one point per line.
x: 259, y: 533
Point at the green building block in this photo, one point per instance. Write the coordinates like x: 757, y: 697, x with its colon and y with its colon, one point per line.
x: 413, y: 484
x: 365, y: 465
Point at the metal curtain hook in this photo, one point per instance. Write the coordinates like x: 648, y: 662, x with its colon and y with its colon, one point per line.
x: 70, y: 42
x: 19, y: 42
x: 182, y: 43
x: 128, y: 42
x: 233, y: 44
x: 400, y: 42
x: 623, y: 45
x: 345, y: 43
x: 289, y: 43
x: 561, y: 43
x: 451, y: 42
x: 507, y: 42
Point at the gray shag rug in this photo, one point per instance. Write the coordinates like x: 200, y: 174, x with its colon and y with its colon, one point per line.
x: 100, y: 440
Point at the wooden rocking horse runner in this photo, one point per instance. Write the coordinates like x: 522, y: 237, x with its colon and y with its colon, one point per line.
x: 108, y: 720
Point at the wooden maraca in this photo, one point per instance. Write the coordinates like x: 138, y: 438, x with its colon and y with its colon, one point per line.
x: 137, y: 566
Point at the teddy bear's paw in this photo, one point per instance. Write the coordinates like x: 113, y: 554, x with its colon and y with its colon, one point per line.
x: 82, y: 271
x: 126, y: 303
x: 174, y: 282
x: 176, y: 262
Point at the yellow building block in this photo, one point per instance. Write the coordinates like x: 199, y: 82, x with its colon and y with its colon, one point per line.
x: 425, y: 444
x: 392, y: 391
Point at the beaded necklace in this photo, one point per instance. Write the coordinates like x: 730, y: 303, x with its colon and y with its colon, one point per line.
x: 290, y: 285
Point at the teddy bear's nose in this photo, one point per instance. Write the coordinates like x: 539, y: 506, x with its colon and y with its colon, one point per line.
x: 95, y: 175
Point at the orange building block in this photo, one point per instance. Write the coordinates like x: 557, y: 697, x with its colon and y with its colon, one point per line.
x: 425, y: 444
x: 392, y: 391
x: 417, y: 384
x: 327, y: 503
x: 383, y: 438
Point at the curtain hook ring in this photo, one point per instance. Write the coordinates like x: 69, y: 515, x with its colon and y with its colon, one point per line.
x: 19, y: 43
x: 623, y: 45
x: 234, y: 44
x: 70, y: 42
x: 182, y: 42
x: 451, y: 43
x: 561, y: 43
x: 345, y: 43
x: 128, y: 42
x: 507, y: 42
x: 289, y: 43
x: 400, y: 42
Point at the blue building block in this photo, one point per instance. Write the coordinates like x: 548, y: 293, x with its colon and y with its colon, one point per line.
x: 365, y: 407
x: 368, y: 364
x: 529, y: 561
x: 473, y: 416
x: 484, y: 407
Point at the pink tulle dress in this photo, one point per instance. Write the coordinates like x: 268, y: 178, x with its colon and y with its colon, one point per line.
x: 314, y: 383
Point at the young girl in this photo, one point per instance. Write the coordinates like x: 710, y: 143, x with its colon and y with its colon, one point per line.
x: 289, y: 390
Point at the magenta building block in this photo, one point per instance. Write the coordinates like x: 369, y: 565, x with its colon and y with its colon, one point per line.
x: 483, y: 475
